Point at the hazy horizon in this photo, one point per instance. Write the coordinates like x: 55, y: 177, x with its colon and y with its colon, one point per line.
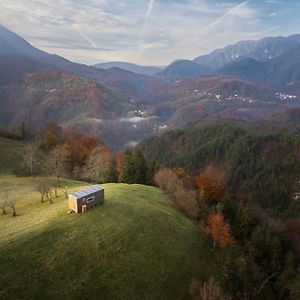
x: 145, y: 32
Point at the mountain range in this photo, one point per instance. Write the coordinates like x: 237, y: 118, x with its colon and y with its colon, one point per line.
x: 262, y: 50
x: 145, y: 70
x: 122, y: 107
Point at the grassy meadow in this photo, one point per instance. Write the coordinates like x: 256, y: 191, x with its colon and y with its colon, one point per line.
x: 136, y: 245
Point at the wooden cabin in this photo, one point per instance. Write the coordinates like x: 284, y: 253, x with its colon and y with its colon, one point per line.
x: 81, y: 201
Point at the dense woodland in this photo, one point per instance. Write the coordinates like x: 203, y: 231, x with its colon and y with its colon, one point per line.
x: 238, y: 186
x: 263, y: 166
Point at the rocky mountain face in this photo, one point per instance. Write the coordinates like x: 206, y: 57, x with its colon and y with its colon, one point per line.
x: 261, y: 50
x: 282, y: 71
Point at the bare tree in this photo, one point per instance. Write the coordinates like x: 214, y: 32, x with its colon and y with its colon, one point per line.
x: 65, y: 192
x: 55, y: 164
x: 43, y: 186
x: 97, y: 166
x: 49, y: 195
x: 206, y: 291
x: 12, y: 204
x: 184, y: 198
x: 30, y: 159
x: 4, y: 201
x: 167, y: 180
x: 186, y: 201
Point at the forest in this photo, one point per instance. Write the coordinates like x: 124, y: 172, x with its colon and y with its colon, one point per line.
x: 239, y: 186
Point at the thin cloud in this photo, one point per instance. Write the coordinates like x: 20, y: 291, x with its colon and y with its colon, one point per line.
x: 150, y: 8
x: 146, y: 31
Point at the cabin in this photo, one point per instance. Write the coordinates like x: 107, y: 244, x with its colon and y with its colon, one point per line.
x: 81, y: 201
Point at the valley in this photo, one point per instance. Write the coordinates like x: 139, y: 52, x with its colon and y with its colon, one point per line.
x: 123, y: 108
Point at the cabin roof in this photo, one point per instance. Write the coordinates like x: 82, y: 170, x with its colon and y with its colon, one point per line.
x: 88, y: 191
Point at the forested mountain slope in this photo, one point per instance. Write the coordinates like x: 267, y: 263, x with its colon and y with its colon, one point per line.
x: 263, y: 165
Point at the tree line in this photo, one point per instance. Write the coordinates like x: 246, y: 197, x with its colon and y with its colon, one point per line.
x: 262, y: 165
x: 58, y: 153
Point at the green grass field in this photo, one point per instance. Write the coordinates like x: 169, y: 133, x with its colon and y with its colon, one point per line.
x: 136, y: 245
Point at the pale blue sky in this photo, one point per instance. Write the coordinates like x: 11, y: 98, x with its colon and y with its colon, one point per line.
x: 151, y: 32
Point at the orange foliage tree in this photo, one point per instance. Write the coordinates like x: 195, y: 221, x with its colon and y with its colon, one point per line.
x: 211, y: 183
x: 81, y: 146
x: 210, y: 189
x: 219, y: 230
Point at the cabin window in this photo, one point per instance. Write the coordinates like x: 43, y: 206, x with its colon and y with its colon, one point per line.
x: 90, y: 199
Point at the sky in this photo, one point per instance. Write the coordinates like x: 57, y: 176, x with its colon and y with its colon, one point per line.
x: 147, y: 32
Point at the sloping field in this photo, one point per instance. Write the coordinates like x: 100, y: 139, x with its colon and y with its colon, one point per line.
x: 136, y: 245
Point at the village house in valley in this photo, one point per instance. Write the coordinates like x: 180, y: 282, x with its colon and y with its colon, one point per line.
x: 80, y: 201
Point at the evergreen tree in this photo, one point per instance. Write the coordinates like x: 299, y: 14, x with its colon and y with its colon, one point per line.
x: 140, y: 168
x: 153, y: 168
x: 129, y: 168
x: 228, y: 209
x: 113, y: 174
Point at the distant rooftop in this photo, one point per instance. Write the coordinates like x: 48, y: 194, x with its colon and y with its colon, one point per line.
x: 88, y: 191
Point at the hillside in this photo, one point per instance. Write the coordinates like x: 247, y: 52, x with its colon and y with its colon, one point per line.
x: 10, y: 155
x: 121, y: 107
x: 144, y: 70
x: 259, y: 161
x: 184, y: 69
x: 281, y: 71
x: 134, y: 246
x: 52, y: 95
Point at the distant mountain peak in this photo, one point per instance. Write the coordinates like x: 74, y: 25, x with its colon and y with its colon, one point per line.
x: 184, y: 69
x: 263, y: 50
x: 139, y: 69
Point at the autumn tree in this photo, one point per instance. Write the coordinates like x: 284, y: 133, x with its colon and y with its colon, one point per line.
x: 211, y: 184
x: 187, y: 180
x: 166, y: 179
x: 51, y: 136
x: 80, y: 146
x: 184, y: 198
x: 98, y: 165
x: 210, y: 190
x: 219, y: 230
x: 49, y: 141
